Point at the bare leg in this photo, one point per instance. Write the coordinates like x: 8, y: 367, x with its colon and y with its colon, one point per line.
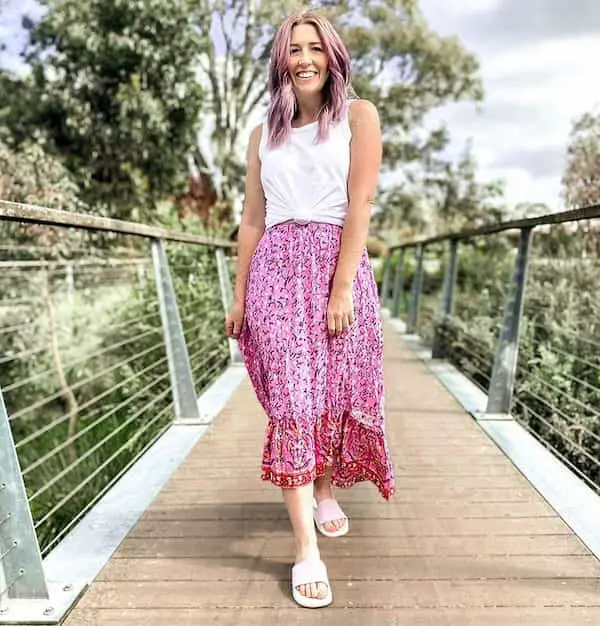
x: 323, y: 492
x: 299, y: 503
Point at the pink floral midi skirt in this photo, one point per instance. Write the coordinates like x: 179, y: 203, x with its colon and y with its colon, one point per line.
x: 323, y: 395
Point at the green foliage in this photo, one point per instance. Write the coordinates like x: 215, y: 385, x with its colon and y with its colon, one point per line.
x: 29, y: 174
x: 557, y: 390
x: 113, y: 90
x: 440, y: 197
x: 76, y: 437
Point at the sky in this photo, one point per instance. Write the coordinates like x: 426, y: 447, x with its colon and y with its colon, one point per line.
x: 537, y: 61
x: 539, y: 68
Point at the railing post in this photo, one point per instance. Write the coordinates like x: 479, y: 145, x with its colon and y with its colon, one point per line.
x: 447, y: 303
x: 417, y: 287
x: 21, y: 570
x: 505, y: 363
x: 227, y: 299
x: 385, y: 283
x: 182, y: 381
x: 398, y: 291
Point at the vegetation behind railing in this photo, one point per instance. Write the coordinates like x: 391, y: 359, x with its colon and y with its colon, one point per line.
x: 83, y: 365
x: 557, y: 374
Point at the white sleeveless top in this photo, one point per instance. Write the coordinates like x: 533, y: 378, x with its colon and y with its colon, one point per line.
x: 304, y: 180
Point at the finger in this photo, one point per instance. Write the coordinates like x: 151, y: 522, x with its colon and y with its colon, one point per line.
x: 339, y: 324
x: 236, y: 329
x: 347, y: 322
x: 330, y: 324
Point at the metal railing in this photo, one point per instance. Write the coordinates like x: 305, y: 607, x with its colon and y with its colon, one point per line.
x: 519, y: 315
x: 109, y: 331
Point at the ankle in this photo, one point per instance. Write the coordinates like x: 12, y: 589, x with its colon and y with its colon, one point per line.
x: 323, y: 491
x: 322, y: 488
x: 306, y: 548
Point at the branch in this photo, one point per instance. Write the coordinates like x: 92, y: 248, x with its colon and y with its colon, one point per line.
x: 262, y: 92
x: 246, y: 110
x: 245, y: 59
x: 58, y: 365
x: 226, y: 69
x: 210, y: 70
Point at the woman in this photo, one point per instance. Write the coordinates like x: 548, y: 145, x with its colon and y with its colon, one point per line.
x: 306, y: 310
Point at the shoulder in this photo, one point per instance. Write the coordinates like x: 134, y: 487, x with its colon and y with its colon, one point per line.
x: 255, y: 140
x: 361, y: 112
x: 256, y: 134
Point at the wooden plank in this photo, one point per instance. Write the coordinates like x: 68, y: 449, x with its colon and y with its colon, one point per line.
x: 366, y: 594
x: 278, y: 546
x: 339, y: 616
x: 357, y: 568
x: 383, y: 528
x: 182, y: 507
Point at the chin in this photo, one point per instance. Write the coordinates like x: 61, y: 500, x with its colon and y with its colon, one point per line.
x: 306, y: 89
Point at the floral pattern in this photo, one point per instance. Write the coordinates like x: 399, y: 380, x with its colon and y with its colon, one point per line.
x: 323, y: 395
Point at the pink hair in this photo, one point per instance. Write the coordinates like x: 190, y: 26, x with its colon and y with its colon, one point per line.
x: 283, y: 105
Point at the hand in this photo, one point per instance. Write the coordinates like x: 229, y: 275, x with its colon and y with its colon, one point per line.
x: 233, y: 322
x: 340, y: 310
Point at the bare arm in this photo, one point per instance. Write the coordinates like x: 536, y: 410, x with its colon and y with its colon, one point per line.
x: 252, y: 225
x: 365, y: 163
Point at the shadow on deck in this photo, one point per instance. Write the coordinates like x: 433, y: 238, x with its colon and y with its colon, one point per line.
x: 467, y: 539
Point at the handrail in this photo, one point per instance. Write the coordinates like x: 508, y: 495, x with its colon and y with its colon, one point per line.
x: 575, y: 215
x: 25, y: 593
x: 18, y: 212
x: 505, y: 371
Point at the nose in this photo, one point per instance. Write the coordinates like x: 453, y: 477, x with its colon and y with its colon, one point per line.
x: 306, y: 58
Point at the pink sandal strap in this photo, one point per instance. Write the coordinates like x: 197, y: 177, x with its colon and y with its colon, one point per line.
x: 328, y: 511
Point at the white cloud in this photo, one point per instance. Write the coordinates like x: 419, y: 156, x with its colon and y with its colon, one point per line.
x: 538, y: 77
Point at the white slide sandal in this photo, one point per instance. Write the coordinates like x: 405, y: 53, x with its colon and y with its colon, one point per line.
x: 307, y: 572
x: 328, y: 511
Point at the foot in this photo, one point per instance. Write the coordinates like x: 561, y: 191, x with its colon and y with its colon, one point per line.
x: 323, y: 493
x: 310, y: 584
x: 317, y: 589
x: 329, y: 518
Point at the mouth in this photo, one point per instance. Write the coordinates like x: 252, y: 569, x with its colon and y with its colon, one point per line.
x: 306, y: 75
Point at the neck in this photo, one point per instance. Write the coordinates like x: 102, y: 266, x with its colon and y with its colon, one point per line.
x: 308, y: 108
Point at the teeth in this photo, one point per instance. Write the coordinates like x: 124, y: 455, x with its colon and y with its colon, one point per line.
x: 306, y: 74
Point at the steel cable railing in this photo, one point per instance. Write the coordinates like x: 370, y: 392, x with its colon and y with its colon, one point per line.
x: 517, y: 314
x: 93, y: 419
x: 91, y: 346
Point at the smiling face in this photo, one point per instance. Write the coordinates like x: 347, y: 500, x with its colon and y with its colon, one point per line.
x: 307, y: 60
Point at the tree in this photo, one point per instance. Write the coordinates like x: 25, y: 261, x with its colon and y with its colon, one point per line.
x: 114, y: 90
x: 399, y: 63
x: 581, y: 179
x: 459, y: 199
x: 439, y: 196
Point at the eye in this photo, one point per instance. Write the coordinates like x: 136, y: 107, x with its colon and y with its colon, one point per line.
x: 294, y: 50
x: 317, y: 48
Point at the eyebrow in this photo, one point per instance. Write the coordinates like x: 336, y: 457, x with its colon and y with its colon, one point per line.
x: 310, y: 43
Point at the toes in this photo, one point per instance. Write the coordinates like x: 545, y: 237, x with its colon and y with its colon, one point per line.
x: 334, y: 525
x: 317, y: 591
x: 322, y: 588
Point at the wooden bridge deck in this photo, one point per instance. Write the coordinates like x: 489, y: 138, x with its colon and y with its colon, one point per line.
x: 466, y: 541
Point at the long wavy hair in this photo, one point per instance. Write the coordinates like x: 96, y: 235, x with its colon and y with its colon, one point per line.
x: 283, y: 105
